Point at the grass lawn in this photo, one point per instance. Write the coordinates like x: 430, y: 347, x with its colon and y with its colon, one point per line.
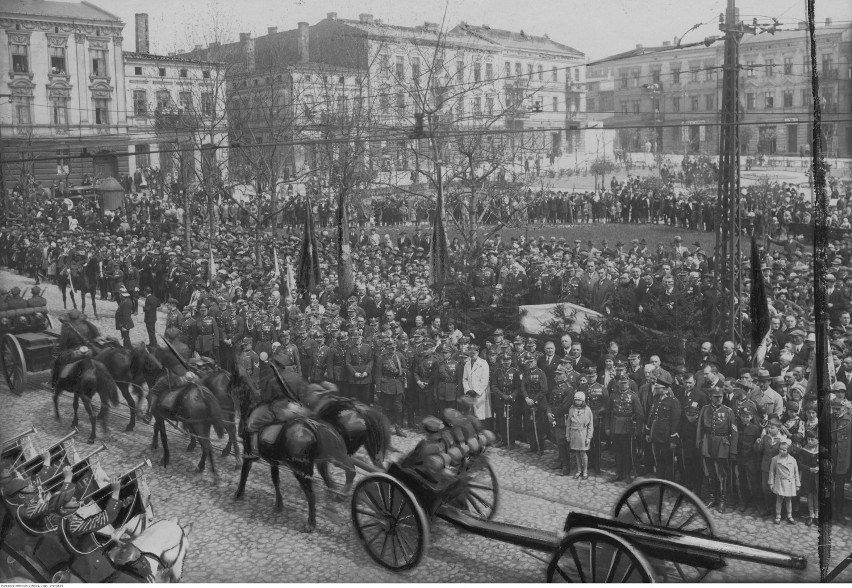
x: 614, y: 232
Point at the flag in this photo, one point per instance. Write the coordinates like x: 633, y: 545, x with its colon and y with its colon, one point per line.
x: 345, y: 274
x: 758, y: 311
x: 309, y: 270
x: 212, y: 267
x: 439, y: 260
x: 277, y: 268
x: 291, y: 280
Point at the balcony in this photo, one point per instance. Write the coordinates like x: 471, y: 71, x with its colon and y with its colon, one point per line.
x: 174, y: 121
x: 828, y: 74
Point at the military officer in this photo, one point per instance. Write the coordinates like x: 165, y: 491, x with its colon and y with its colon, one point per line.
x: 287, y: 355
x: 36, y: 299
x: 264, y: 333
x: 446, y: 382
x: 534, y: 388
x: 423, y: 388
x: 307, y: 345
x: 232, y: 330
x: 841, y: 456
x: 248, y: 360
x: 482, y: 279
x: 597, y: 396
x: 561, y: 400
x: 188, y: 330
x: 207, y: 334
x: 320, y: 359
x: 623, y: 416
x: 359, y: 367
x: 505, y: 389
x: 717, y: 439
x: 390, y: 378
x: 662, y: 427
x: 336, y: 363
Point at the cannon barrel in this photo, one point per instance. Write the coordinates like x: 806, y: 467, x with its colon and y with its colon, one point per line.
x: 499, y: 531
x: 100, y: 493
x: 77, y: 471
x: 687, y: 548
x: 32, y: 464
x: 11, y: 441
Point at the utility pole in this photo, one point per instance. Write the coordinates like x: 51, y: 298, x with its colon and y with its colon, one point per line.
x: 727, y: 311
x: 3, y: 180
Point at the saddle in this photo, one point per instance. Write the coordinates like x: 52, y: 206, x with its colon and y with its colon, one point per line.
x: 202, y: 365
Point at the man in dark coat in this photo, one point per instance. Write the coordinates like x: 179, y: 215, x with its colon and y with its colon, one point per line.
x: 149, y: 310
x: 123, y: 319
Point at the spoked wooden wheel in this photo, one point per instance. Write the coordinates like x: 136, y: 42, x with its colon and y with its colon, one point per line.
x: 389, y: 521
x: 660, y: 503
x: 593, y: 555
x: 14, y: 364
x: 481, y: 493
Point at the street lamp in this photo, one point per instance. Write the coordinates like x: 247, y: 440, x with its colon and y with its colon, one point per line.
x: 656, y: 90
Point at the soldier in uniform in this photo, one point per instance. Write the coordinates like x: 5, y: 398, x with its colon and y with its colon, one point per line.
x: 336, y: 369
x: 747, y: 471
x: 597, y: 397
x: 717, y: 440
x: 232, y: 330
x: 307, y: 345
x: 482, y: 279
x: 36, y: 300
x: 623, y: 416
x: 83, y: 527
x: 264, y: 333
x: 174, y: 376
x: 446, y: 383
x: 505, y: 388
x: 359, y: 367
x: 390, y: 383
x: 534, y: 388
x: 662, y: 428
x: 287, y: 355
x: 841, y: 457
x: 248, y: 360
x: 320, y: 359
x: 207, y: 334
x: 561, y: 399
x: 188, y: 330
x: 423, y: 389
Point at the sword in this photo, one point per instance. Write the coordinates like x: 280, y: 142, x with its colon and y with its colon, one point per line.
x: 286, y: 388
x: 506, y: 416
x: 177, y: 355
x: 535, y: 429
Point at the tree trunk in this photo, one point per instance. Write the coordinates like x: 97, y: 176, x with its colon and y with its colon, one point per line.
x: 187, y: 216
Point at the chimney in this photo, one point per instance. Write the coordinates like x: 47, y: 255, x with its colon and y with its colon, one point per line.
x: 365, y: 17
x: 142, y: 45
x: 304, y: 42
x: 244, y: 37
x: 331, y: 16
x: 828, y: 22
x: 271, y: 30
x: 666, y: 43
x: 248, y: 50
x: 674, y: 42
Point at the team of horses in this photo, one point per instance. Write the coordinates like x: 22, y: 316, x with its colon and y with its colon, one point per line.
x: 315, y: 428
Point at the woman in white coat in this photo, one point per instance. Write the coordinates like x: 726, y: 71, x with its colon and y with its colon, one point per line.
x: 475, y: 379
x: 579, y: 425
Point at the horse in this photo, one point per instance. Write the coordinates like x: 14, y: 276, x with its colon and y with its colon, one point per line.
x: 85, y: 378
x: 221, y: 384
x: 85, y: 285
x: 63, y: 281
x: 197, y: 409
x: 129, y: 367
x: 297, y: 442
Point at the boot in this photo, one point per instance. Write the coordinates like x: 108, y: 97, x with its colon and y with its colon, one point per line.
x: 722, y: 497
x: 711, y: 500
x: 251, y: 447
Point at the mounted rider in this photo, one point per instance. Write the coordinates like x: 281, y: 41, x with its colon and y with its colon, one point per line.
x: 75, y: 337
x: 174, y: 378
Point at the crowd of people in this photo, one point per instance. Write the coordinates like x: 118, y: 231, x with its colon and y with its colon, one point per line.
x: 715, y: 420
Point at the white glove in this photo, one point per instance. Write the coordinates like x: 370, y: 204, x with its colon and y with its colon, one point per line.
x: 530, y: 402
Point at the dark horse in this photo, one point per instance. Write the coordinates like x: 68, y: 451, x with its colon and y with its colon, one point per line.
x: 63, y: 281
x: 129, y: 367
x: 85, y: 378
x: 298, y: 440
x: 86, y: 282
x: 193, y: 406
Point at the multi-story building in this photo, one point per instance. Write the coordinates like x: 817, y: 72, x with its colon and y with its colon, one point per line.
x: 177, y: 115
x: 64, y: 71
x: 669, y: 97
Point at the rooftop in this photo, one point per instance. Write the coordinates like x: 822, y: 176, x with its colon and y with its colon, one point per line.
x: 131, y: 55
x: 50, y: 9
x: 518, y: 40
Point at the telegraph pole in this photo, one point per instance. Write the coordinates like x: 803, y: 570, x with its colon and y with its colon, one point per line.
x: 727, y: 312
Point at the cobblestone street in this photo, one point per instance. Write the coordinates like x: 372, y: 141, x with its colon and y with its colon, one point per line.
x: 248, y: 541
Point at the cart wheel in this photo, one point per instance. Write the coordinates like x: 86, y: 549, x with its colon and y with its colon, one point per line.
x: 660, y: 503
x: 481, y: 495
x: 14, y: 364
x: 389, y: 521
x: 593, y: 555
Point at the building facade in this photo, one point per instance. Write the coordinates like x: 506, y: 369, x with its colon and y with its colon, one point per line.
x: 64, y: 71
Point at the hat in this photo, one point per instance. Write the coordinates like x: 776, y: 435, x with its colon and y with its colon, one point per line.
x: 634, y: 355
x: 838, y: 387
x: 763, y: 376
x: 35, y: 290
x: 797, y: 333
x: 15, y: 291
x: 580, y: 396
x: 664, y: 379
x: 74, y: 314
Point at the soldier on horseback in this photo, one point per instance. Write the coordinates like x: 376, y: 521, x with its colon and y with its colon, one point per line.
x: 175, y: 376
x: 76, y: 335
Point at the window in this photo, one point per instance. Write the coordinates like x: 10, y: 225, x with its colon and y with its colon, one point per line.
x: 185, y: 99
x: 460, y: 70
x: 508, y: 67
x: 184, y: 73
x: 788, y: 66
x: 99, y: 63
x: 164, y: 100
x: 60, y: 112
x: 750, y: 101
x: 693, y: 73
x: 477, y: 106
x: 489, y: 71
x: 624, y: 82
x: 143, y: 155
x: 555, y: 104
x: 708, y: 73
x: 20, y: 59
x: 57, y: 60
x: 676, y: 104
x: 63, y: 160
x: 384, y: 63
x: 676, y: 76
x: 400, y: 101
x: 140, y: 102
x: 400, y: 67
x: 624, y: 108
x: 827, y: 65
x: 23, y: 109
x: 591, y: 106
x: 769, y: 65
x: 576, y: 75
x: 101, y: 111
x: 693, y: 103
x: 769, y: 99
x: 655, y: 76
x: 489, y: 104
x: 459, y: 110
x: 205, y: 74
x: 807, y: 99
x: 415, y: 69
x: 635, y: 107
x: 554, y: 76
x: 207, y: 103
x: 518, y: 70
x: 137, y: 71
x: 792, y: 138
x: 540, y: 73
x: 788, y: 98
x: 384, y: 103
x: 708, y: 102
x: 477, y: 72
x: 750, y: 69
x: 162, y: 71
x: 537, y: 105
x: 530, y: 71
